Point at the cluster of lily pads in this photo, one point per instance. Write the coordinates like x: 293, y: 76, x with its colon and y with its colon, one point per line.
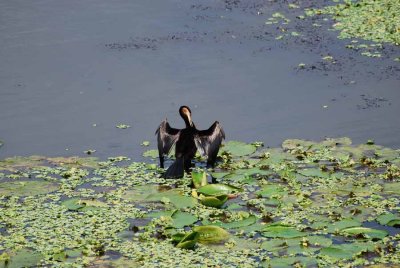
x: 304, y: 204
x: 367, y: 19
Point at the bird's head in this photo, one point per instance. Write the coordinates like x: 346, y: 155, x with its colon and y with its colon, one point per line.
x: 186, y: 114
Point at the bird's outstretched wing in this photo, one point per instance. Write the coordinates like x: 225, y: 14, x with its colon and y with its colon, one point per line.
x: 208, y: 142
x: 166, y: 138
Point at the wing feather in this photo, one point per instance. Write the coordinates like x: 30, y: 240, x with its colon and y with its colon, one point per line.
x: 166, y: 138
x: 208, y: 141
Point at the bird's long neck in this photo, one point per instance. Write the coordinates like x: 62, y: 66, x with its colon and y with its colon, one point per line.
x: 188, y: 120
x: 187, y: 116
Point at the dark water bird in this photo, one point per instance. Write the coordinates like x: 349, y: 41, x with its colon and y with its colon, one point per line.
x: 187, y: 141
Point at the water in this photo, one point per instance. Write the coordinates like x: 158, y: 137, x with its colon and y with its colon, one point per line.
x: 70, y: 71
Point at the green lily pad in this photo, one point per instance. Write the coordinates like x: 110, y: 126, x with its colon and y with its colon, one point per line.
x: 343, y: 224
x: 389, y: 220
x: 151, y: 153
x: 181, y: 219
x: 141, y: 192
x: 290, y: 262
x: 236, y: 224
x: 237, y: 148
x: 175, y: 197
x: 23, y: 258
x: 337, y: 253
x: 291, y: 144
x: 218, y: 189
x: 19, y: 163
x: 365, y: 232
x: 271, y: 190
x: 74, y: 161
x: 393, y: 187
x: 211, y: 234
x: 27, y: 188
x: 314, y: 172
x: 77, y: 204
x: 199, y: 178
x: 219, y: 175
x: 346, y: 251
x: 216, y: 201
x: 188, y: 241
x: 282, y: 231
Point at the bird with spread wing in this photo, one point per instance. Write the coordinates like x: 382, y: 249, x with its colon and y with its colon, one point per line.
x: 187, y: 141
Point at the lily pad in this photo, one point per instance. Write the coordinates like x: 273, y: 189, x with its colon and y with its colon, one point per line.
x: 389, y: 220
x: 314, y: 172
x: 23, y: 258
x: 188, y: 241
x: 19, y: 163
x: 181, y: 219
x: 271, y: 190
x: 216, y: 201
x: 291, y: 262
x: 199, y: 178
x: 27, y: 188
x: 365, y: 232
x: 151, y: 153
x: 282, y: 231
x: 346, y: 251
x: 141, y: 192
x: 218, y: 189
x: 77, y: 204
x: 175, y: 197
x: 211, y: 234
x: 237, y: 148
x: 237, y: 224
x: 343, y: 224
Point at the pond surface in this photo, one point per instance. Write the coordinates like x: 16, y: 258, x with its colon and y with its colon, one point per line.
x: 71, y: 71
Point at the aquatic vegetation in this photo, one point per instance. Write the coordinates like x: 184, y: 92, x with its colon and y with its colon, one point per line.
x: 376, y: 21
x: 328, y: 203
x: 122, y: 126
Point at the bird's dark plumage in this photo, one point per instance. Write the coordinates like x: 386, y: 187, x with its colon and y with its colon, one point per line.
x: 187, y: 141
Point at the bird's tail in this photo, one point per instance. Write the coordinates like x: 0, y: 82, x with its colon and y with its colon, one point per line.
x: 176, y: 170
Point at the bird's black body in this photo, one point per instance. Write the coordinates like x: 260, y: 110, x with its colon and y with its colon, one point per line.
x: 187, y: 141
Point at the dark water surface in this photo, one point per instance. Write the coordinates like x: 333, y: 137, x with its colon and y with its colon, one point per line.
x: 66, y: 65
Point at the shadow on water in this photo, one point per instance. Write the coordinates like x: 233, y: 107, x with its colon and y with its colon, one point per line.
x: 71, y: 71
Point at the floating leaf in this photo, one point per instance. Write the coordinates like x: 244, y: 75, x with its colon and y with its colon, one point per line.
x: 141, y: 192
x: 237, y: 224
x: 271, y: 190
x: 145, y: 143
x: 340, y: 225
x: 283, y: 231
x: 199, y: 178
x: 346, y: 251
x: 218, y: 189
x: 290, y: 262
x: 366, y: 232
x: 181, y: 219
x: 389, y: 220
x: 151, y: 153
x: 123, y: 126
x: 189, y: 240
x: 336, y: 253
x: 214, y: 201
x: 219, y: 175
x: 211, y: 234
x: 175, y: 197
x: 24, y: 258
x: 314, y: 172
x: 237, y: 148
x: 27, y: 188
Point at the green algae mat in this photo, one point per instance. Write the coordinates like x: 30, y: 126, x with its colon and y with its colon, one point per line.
x: 306, y: 204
